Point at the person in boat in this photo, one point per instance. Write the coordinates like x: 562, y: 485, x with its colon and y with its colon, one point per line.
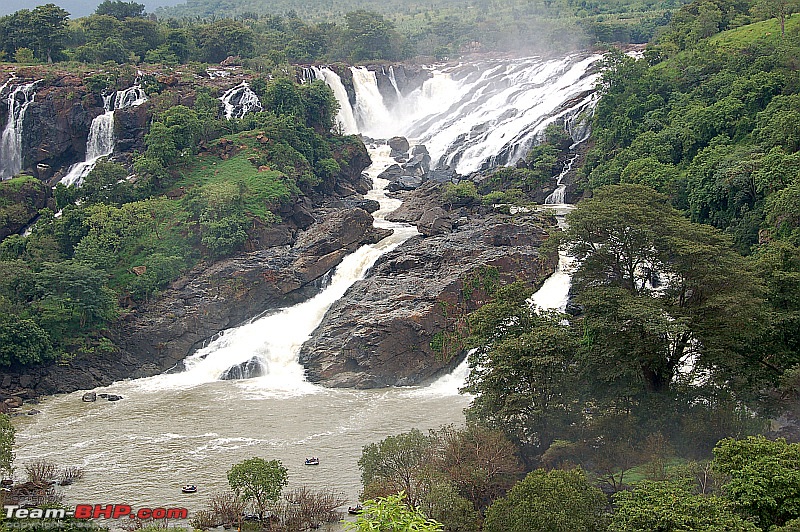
x: 354, y: 509
x: 312, y: 461
x: 189, y: 488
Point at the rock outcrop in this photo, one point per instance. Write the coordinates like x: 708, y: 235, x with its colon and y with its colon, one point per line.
x: 389, y: 328
x: 156, y: 337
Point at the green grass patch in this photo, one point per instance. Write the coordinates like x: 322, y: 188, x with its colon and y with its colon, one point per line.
x: 766, y: 31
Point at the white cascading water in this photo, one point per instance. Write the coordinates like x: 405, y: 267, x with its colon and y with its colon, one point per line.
x: 472, y: 116
x: 344, y: 117
x: 11, y: 144
x: 275, y: 339
x: 239, y: 101
x: 100, y: 142
x: 558, y: 196
x: 190, y: 427
x: 370, y: 110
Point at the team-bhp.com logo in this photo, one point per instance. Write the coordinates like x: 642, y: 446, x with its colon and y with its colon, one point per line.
x: 95, y: 511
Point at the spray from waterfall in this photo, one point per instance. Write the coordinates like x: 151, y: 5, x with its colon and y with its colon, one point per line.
x: 11, y: 144
x: 100, y: 142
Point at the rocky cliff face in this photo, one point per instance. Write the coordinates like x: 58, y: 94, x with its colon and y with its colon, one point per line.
x: 400, y: 325
x: 56, y: 124
x: 157, y: 337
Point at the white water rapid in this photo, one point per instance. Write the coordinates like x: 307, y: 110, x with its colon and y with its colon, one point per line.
x: 190, y: 426
x: 100, y: 142
x: 239, y: 101
x: 11, y: 143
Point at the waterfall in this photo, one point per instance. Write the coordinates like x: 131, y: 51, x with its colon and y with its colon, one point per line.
x: 345, y: 117
x: 11, y: 145
x: 393, y: 81
x: 474, y: 116
x: 558, y: 196
x: 372, y: 116
x: 100, y: 142
x: 267, y: 347
x: 240, y: 100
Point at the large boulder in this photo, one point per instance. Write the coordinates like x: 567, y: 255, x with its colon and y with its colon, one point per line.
x: 383, y: 331
x: 405, y: 182
x: 399, y: 144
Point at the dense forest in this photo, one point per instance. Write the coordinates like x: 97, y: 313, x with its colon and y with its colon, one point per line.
x: 646, y: 407
x: 122, y: 32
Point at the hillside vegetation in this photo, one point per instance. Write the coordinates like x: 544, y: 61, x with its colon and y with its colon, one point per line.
x: 682, y: 333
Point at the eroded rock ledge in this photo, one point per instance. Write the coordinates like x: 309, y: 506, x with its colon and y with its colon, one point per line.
x: 381, y: 332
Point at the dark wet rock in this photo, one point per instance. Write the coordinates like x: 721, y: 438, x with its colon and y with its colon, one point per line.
x: 113, y: 397
x: 89, y: 397
x: 419, y: 165
x: 419, y: 149
x: 399, y: 144
x: 380, y: 333
x: 416, y: 203
x: 442, y: 175
x: 405, y: 182
x: 130, y: 127
x: 392, y: 172
x: 248, y: 369
x: 435, y: 221
x: 33, y: 412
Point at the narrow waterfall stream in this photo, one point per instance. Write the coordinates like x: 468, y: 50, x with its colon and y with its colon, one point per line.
x: 190, y: 427
x: 11, y: 143
x: 100, y: 142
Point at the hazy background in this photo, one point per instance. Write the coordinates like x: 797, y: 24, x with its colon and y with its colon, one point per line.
x: 77, y: 8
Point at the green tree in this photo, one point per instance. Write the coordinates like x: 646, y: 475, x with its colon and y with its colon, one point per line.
x: 258, y: 481
x: 525, y: 372
x: 223, y: 38
x: 657, y: 289
x: 7, y: 433
x: 549, y: 501
x: 73, y: 294
x: 183, y: 125
x: 283, y: 97
x: 50, y: 22
x: 672, y: 506
x: 161, y: 145
x: 320, y: 105
x: 395, y: 464
x: 107, y: 183
x: 23, y: 342
x: 391, y: 514
x: 370, y: 36
x: 764, y: 478
x: 119, y: 9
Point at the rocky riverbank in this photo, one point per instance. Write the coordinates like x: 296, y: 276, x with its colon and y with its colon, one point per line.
x: 401, y: 324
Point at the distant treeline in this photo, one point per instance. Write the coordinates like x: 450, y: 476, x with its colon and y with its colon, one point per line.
x: 123, y: 33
